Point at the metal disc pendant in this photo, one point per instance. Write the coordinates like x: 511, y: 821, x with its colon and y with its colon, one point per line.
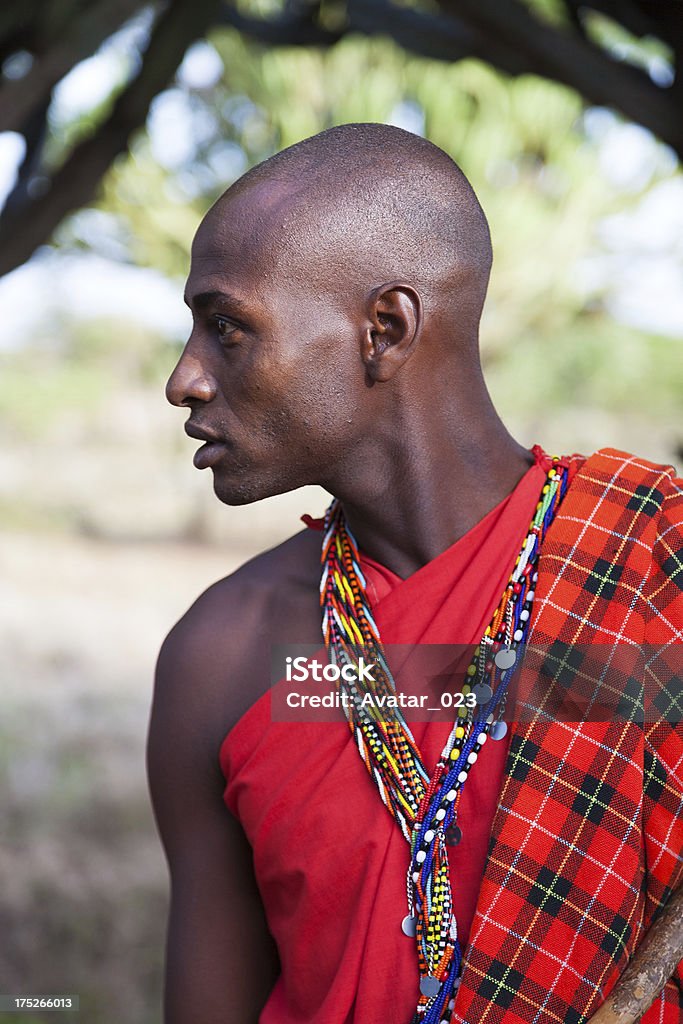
x: 482, y: 693
x: 409, y: 926
x: 453, y: 834
x: 498, y: 730
x: 429, y: 986
x: 505, y: 659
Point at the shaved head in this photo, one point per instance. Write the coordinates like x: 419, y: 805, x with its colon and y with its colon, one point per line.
x: 336, y: 292
x: 373, y: 203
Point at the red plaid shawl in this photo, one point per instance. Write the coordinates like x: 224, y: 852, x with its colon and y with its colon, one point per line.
x: 587, y: 841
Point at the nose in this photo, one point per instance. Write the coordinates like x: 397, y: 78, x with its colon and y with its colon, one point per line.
x: 190, y: 382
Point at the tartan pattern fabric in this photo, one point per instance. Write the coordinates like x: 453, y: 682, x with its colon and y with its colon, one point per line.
x: 587, y: 840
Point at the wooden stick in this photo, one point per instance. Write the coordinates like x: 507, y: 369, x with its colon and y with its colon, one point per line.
x: 653, y: 963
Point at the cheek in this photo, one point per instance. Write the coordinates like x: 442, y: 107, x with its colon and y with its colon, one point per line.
x: 304, y: 392
x: 286, y: 419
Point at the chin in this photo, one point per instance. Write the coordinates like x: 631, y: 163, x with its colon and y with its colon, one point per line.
x: 244, y: 489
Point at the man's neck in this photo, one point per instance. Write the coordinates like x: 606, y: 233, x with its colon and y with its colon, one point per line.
x: 431, y: 495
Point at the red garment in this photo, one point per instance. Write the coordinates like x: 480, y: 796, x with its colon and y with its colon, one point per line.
x: 329, y: 860
x: 587, y: 838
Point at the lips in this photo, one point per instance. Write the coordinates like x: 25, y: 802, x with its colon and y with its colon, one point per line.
x: 211, y: 451
x: 209, y: 454
x: 199, y: 434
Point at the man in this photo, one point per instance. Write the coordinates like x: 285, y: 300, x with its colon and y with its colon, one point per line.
x: 336, y: 293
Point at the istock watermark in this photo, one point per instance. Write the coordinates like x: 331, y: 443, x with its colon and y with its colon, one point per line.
x: 303, y: 670
x: 355, y: 684
x: 557, y: 681
x: 308, y: 686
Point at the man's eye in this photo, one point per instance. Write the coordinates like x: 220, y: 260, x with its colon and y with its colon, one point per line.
x: 224, y: 327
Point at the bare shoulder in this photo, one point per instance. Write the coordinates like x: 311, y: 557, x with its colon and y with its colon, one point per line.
x: 215, y: 662
x: 213, y: 665
x: 262, y: 585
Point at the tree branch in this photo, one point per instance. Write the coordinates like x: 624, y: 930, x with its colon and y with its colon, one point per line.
x: 573, y: 61
x: 19, y: 97
x: 298, y: 28
x: 425, y: 34
x: 34, y: 132
x: 447, y: 38
x: 17, y: 23
x: 22, y: 231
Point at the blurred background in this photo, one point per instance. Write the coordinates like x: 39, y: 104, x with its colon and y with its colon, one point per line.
x: 120, y: 123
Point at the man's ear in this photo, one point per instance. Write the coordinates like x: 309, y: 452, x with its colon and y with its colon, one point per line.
x: 395, y: 316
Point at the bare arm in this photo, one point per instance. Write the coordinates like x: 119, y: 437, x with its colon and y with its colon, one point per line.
x: 221, y: 961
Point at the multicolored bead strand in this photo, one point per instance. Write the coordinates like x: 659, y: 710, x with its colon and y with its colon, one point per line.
x: 426, y: 809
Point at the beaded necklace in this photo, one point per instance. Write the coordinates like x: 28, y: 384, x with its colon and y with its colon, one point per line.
x: 426, y: 808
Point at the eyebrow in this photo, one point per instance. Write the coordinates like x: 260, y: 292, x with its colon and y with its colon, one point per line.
x: 215, y: 298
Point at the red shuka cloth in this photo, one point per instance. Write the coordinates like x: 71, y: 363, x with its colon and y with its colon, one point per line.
x: 330, y: 861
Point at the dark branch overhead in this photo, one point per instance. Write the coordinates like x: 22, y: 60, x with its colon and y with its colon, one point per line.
x: 51, y: 36
x: 77, y: 40
x: 295, y: 28
x: 570, y: 58
x: 26, y: 225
